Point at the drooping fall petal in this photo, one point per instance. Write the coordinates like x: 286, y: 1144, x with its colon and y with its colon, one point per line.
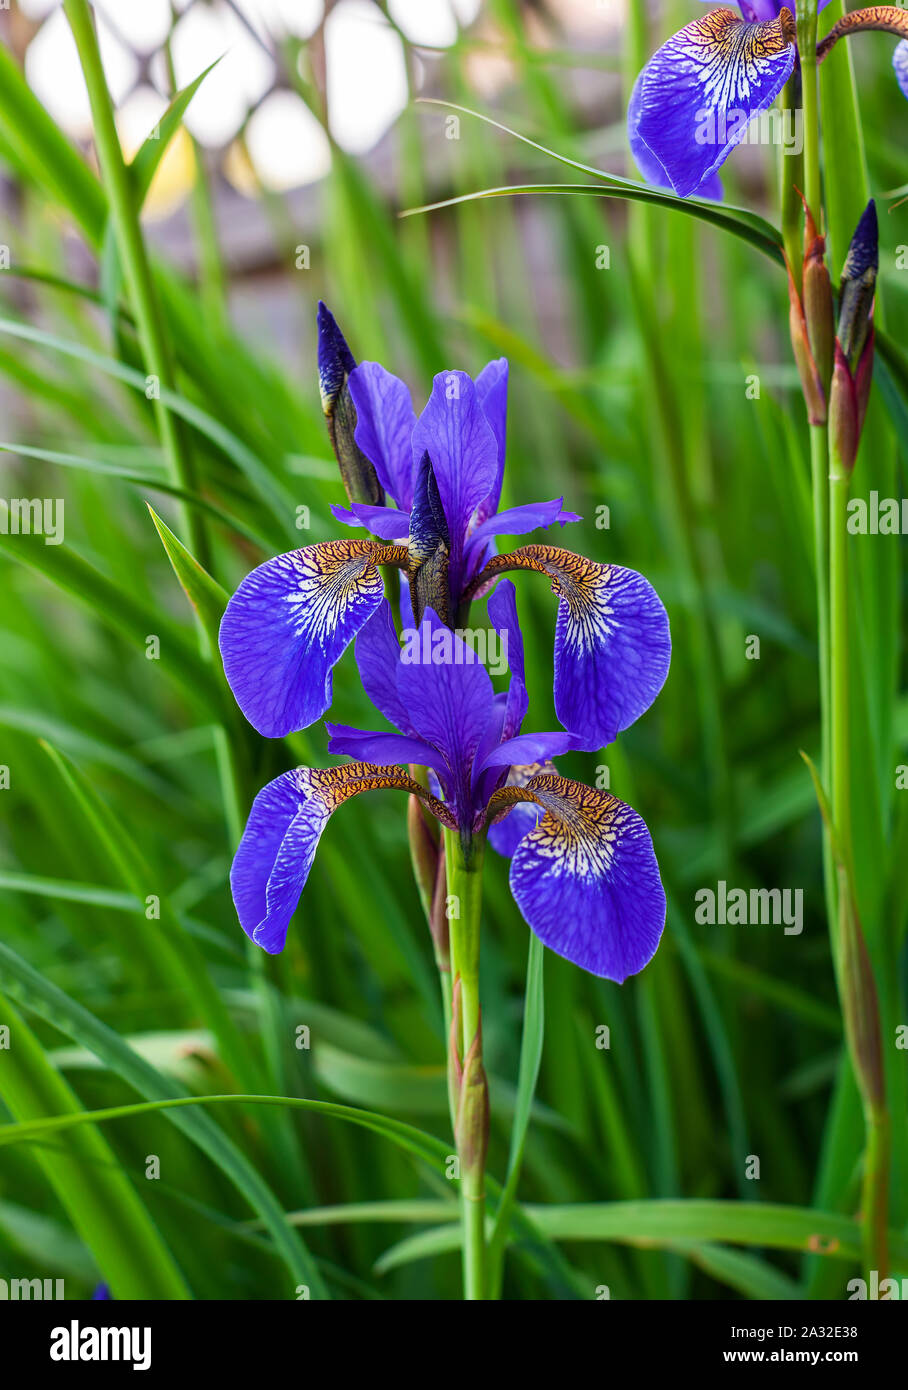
x: 612, y: 640
x: 278, y: 847
x: 586, y: 877
x: 289, y: 622
x: 700, y: 91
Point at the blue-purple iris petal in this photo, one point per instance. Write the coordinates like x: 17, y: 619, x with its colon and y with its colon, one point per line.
x: 375, y: 746
x: 274, y: 857
x: 700, y: 91
x: 286, y: 626
x: 646, y: 161
x: 517, y: 521
x: 449, y: 698
x: 483, y: 784
x: 384, y: 426
x: 502, y: 608
x: 377, y: 658
x: 530, y: 748
x: 385, y: 522
x: 492, y: 392
x: 900, y: 63
x: 587, y: 881
x: 265, y: 907
x: 461, y: 445
x: 612, y: 651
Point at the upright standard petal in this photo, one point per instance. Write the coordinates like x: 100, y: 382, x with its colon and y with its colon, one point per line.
x: 612, y: 640
x: 492, y: 392
x: 463, y: 451
x: 275, y: 855
x: 384, y: 427
x: 700, y: 91
x: 586, y: 877
x: 377, y: 659
x: 510, y: 708
x: 449, y: 698
x: 289, y: 622
x: 517, y: 521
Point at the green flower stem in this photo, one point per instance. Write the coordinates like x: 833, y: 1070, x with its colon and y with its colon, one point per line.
x: 839, y: 721
x: 810, y: 99
x: 819, y: 449
x: 819, y: 472
x: 463, y: 862
x: 791, y: 179
x: 855, y: 974
x: 875, y: 1195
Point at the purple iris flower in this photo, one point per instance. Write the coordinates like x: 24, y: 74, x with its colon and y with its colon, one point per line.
x: 583, y: 870
x: 291, y: 619
x: 697, y: 95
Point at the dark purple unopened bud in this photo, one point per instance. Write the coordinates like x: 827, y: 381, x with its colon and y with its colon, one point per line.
x: 854, y: 340
x: 429, y: 548
x: 335, y: 363
x: 858, y: 287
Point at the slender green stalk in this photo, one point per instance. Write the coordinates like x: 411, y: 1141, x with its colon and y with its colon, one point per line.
x: 839, y: 725
x: 875, y: 1195
x: 819, y: 470
x: 856, y: 983
x: 464, y: 880
x: 810, y: 99
x: 792, y: 178
x: 136, y: 267
x: 819, y: 464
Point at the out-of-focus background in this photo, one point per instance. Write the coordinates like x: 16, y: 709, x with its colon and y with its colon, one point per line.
x: 652, y: 385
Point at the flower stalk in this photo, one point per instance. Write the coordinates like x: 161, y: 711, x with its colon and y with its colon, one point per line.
x: 464, y: 860
x: 857, y: 988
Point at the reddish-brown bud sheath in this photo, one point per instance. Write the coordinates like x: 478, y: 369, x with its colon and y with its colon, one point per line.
x: 819, y: 312
x: 811, y: 383
x: 472, y: 1128
x: 844, y: 426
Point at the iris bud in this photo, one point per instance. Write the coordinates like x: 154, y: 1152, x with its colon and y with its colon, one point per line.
x: 811, y: 322
x: 472, y: 1126
x: 854, y: 340
x: 429, y: 547
x: 335, y: 363
x: 818, y: 306
x: 858, y: 287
